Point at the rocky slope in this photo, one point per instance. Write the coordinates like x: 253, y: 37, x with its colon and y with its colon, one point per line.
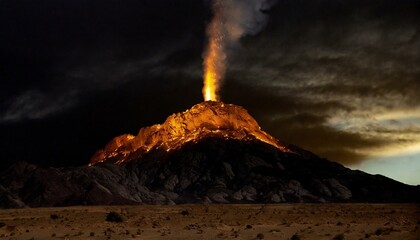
x: 212, y: 153
x: 212, y: 171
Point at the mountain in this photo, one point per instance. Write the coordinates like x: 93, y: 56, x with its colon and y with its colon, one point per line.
x: 212, y: 153
x: 204, y: 120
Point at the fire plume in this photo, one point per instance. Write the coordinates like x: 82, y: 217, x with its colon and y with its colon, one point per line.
x: 211, y: 76
x: 214, y: 57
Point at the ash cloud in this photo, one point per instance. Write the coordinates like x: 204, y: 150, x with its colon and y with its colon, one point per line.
x: 232, y: 20
x: 242, y: 17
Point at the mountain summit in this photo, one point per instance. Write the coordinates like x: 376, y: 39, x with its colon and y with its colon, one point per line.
x: 204, y: 120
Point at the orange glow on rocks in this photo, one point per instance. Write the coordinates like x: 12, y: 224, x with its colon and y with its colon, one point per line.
x: 207, y: 119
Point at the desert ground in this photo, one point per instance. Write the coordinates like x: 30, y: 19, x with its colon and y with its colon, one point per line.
x: 281, y: 221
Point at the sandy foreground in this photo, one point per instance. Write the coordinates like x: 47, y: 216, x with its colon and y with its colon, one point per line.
x: 283, y: 221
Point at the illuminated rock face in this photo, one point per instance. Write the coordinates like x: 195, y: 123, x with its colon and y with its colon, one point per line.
x: 204, y: 120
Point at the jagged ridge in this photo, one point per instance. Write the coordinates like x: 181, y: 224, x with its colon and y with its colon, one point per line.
x: 206, y: 119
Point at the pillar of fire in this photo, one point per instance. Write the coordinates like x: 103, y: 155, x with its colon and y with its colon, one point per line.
x: 215, y: 56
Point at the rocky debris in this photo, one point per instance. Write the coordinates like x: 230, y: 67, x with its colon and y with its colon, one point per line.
x: 114, y: 217
x: 215, y: 170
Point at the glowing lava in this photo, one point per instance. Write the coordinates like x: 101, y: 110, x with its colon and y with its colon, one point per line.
x: 204, y: 120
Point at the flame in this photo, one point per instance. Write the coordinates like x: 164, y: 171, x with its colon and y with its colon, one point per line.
x: 214, y: 57
x: 211, y: 76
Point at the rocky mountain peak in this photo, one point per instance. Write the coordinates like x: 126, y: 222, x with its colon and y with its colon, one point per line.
x: 203, y: 120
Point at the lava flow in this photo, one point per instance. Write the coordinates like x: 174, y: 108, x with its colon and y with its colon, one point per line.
x: 204, y: 120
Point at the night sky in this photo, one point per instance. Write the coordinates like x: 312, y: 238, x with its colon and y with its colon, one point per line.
x: 340, y: 78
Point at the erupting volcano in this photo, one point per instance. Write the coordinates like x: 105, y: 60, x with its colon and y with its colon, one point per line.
x: 208, y: 119
x: 212, y: 118
x: 211, y: 153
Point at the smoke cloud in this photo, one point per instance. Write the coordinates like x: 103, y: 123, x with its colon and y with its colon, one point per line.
x: 232, y: 20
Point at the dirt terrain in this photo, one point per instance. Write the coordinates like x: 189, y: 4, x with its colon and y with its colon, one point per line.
x: 283, y: 221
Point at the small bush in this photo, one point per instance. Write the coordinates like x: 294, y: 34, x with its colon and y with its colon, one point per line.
x: 260, y: 236
x: 114, y: 217
x: 339, y: 237
x: 383, y: 231
x: 54, y: 216
x: 185, y: 213
x: 295, y: 237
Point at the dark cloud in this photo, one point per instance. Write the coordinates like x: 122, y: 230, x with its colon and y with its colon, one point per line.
x: 53, y: 53
x: 302, y: 122
x: 35, y: 105
x: 346, y: 62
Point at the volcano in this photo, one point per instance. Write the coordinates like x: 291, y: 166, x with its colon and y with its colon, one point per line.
x: 211, y: 153
x: 210, y: 119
